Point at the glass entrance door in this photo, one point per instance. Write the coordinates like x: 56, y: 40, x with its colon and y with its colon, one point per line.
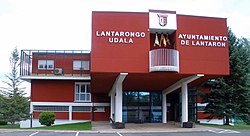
x: 140, y: 107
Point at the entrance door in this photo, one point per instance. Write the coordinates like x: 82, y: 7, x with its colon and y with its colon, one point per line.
x: 139, y: 107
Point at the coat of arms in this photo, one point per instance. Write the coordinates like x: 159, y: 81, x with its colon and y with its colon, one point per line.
x: 163, y: 19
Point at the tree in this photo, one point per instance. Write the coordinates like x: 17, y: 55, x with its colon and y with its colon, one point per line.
x: 13, y: 109
x: 229, y: 97
x: 13, y: 105
x: 13, y: 77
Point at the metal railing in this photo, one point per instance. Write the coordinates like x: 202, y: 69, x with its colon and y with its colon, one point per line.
x: 62, y: 62
x: 164, y: 60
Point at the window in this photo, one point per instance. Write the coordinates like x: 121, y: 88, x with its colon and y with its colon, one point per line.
x: 81, y: 65
x: 81, y: 109
x: 82, y: 92
x: 99, y: 109
x: 50, y: 108
x: 45, y: 64
x: 201, y: 108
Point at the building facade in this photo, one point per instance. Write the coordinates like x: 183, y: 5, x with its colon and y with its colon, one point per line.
x: 142, y: 67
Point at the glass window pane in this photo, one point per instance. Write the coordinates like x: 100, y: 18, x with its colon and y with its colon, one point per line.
x: 77, y: 65
x: 82, y: 97
x: 85, y: 65
x: 88, y: 88
x: 77, y: 88
x: 40, y: 66
x: 82, y: 88
x: 77, y: 97
x: 87, y: 97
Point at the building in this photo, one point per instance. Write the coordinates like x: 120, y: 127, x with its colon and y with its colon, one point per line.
x: 142, y: 67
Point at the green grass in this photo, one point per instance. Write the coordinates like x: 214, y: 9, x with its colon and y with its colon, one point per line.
x: 76, y: 126
x: 240, y: 126
x: 15, y: 126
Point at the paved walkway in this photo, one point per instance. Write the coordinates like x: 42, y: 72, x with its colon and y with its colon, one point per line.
x: 105, y: 127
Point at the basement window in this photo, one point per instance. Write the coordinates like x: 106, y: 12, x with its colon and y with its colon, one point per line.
x: 81, y: 109
x: 50, y: 108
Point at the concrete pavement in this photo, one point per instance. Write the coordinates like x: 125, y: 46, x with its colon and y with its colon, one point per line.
x: 105, y: 127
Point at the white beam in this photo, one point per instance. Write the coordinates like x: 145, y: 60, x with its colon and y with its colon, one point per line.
x: 119, y: 80
x: 116, y: 98
x: 178, y: 83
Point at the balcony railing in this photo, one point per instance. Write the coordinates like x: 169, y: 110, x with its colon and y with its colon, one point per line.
x: 54, y: 63
x: 164, y: 60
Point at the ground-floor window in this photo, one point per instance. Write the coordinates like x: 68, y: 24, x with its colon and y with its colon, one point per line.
x: 142, y: 106
x: 81, y: 109
x: 51, y: 108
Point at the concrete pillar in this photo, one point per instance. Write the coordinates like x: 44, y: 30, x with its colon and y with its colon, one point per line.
x: 70, y: 112
x: 112, y: 105
x: 31, y: 107
x: 118, y: 102
x: 164, y: 108
x: 184, y: 101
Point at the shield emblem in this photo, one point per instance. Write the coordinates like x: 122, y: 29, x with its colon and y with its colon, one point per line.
x: 163, y: 19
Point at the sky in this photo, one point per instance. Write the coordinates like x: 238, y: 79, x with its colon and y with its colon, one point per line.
x: 66, y: 24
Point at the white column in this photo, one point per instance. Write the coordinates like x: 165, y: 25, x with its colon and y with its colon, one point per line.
x: 184, y: 101
x: 112, y: 104
x: 164, y: 108
x: 70, y: 112
x: 31, y: 108
x: 118, y: 102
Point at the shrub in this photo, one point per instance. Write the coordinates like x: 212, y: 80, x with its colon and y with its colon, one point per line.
x: 47, y: 118
x: 3, y: 122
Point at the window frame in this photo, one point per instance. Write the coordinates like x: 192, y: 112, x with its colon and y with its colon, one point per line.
x: 45, y: 64
x: 80, y: 65
x: 99, y: 109
x: 78, y: 109
x: 78, y: 93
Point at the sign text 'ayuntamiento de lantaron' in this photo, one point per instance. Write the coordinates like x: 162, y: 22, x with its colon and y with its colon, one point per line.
x: 202, y: 40
x: 120, y: 37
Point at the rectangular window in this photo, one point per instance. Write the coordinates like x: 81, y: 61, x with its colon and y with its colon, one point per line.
x: 46, y: 64
x: 99, y: 109
x: 81, y: 109
x: 82, y: 92
x: 80, y: 65
x: 51, y: 108
x: 201, y: 108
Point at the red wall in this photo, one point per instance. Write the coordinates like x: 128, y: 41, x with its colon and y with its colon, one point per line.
x: 120, y: 57
x: 202, y: 59
x: 102, y: 116
x: 81, y: 115
x: 64, y: 61
x: 134, y: 58
x: 52, y: 91
x: 202, y: 115
x: 100, y: 97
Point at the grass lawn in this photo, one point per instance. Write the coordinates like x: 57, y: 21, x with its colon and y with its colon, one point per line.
x: 240, y: 126
x: 76, y: 126
x: 16, y: 126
